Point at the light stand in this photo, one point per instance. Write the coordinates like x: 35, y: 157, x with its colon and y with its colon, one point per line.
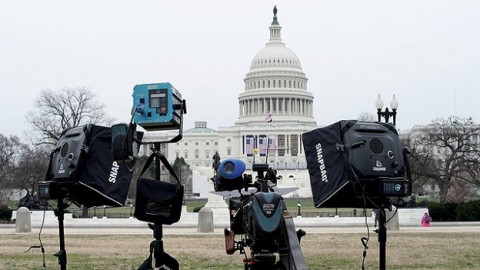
x: 161, y: 258
x: 62, y: 253
x: 382, y: 237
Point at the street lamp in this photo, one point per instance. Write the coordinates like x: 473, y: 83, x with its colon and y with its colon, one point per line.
x: 386, y: 114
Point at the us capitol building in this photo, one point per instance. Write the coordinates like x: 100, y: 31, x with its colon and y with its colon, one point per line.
x: 274, y: 110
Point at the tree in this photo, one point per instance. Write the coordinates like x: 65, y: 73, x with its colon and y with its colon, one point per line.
x: 9, y: 150
x: 31, y: 168
x: 68, y: 108
x: 366, y: 116
x: 447, y: 151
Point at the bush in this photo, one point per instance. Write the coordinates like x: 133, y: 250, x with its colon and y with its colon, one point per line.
x: 469, y: 211
x: 443, y: 211
x: 5, y: 212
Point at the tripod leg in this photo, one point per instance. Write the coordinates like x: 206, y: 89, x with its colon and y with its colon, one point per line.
x: 382, y: 239
x: 62, y: 253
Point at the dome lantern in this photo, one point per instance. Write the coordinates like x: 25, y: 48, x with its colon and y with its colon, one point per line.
x: 275, y: 28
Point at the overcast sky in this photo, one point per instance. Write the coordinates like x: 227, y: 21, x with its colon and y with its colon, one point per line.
x: 425, y: 52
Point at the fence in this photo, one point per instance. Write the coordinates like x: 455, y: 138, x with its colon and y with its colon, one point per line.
x: 349, y: 213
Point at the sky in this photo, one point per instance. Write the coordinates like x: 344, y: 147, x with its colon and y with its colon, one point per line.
x: 427, y: 53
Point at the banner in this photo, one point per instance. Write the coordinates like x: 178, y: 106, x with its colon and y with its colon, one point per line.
x: 249, y: 145
x: 262, y: 145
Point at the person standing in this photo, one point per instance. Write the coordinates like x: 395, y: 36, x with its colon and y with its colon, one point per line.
x: 426, y: 220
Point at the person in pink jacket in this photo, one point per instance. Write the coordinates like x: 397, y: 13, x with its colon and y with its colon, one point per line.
x: 426, y: 219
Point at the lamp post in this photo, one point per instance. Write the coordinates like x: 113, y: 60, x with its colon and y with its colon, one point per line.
x: 387, y: 113
x: 382, y: 229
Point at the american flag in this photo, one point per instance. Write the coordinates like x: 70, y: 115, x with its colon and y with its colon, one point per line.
x: 268, y: 118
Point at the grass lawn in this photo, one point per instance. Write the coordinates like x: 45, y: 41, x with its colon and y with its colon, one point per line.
x: 420, y: 250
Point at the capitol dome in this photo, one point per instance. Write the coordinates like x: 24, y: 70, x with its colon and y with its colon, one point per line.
x: 276, y: 86
x: 275, y: 55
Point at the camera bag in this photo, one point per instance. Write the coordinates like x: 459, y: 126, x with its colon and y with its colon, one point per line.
x: 157, y: 201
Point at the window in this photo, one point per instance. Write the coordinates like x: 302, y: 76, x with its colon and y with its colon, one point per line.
x: 186, y: 143
x: 207, y: 143
x: 229, y: 151
x: 197, y: 153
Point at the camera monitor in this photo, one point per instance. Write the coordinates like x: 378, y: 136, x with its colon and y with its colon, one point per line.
x: 350, y: 160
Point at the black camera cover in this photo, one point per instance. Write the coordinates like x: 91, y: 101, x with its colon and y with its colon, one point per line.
x: 83, y: 166
x: 349, y: 158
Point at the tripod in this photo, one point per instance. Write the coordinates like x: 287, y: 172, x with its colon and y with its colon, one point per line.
x: 62, y: 253
x: 382, y: 237
x: 162, y: 259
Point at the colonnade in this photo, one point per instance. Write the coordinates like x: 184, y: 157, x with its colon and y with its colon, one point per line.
x: 277, y: 105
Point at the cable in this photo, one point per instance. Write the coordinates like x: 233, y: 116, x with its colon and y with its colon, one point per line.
x: 40, y: 239
x: 394, y: 214
x: 365, y: 240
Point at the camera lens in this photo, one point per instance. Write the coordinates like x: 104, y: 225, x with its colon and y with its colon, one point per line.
x: 229, y: 167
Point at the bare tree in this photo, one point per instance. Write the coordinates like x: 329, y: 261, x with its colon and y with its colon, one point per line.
x: 67, y: 108
x: 9, y: 150
x: 447, y: 151
x: 31, y: 168
x: 366, y: 116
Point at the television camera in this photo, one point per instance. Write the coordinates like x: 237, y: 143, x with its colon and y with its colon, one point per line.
x: 260, y: 216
